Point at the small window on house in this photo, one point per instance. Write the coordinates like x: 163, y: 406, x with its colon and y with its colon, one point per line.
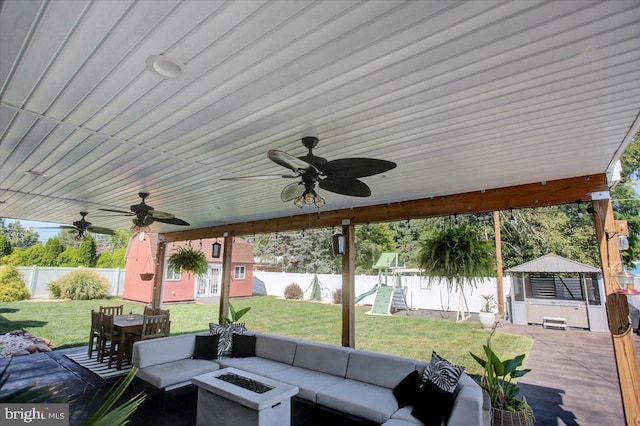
x: 239, y: 273
x: 173, y: 275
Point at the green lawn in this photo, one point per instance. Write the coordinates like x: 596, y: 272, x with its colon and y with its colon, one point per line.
x: 67, y: 324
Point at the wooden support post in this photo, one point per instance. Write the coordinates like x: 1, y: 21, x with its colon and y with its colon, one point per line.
x: 348, y: 287
x: 499, y: 272
x: 623, y: 346
x: 158, y: 283
x: 226, y: 279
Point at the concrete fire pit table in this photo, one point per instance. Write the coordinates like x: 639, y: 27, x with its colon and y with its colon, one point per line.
x: 237, y: 398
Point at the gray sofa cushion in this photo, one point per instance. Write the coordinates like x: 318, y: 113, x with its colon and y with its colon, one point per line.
x: 309, y: 382
x: 323, y: 358
x: 276, y: 348
x: 467, y: 408
x: 261, y: 366
x: 378, y: 369
x: 160, y: 351
x: 404, y: 415
x: 375, y: 403
x: 175, y: 372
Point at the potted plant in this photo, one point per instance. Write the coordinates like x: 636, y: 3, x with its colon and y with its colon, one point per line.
x: 506, y: 407
x: 458, y: 255
x: 189, y: 259
x: 486, y: 317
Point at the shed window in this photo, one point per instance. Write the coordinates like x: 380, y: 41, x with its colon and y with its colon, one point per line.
x: 173, y: 275
x: 239, y: 273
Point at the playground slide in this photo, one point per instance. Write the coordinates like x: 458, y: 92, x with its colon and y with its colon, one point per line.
x: 368, y: 293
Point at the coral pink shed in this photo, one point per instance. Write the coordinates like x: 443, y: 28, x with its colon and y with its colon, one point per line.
x: 141, y: 258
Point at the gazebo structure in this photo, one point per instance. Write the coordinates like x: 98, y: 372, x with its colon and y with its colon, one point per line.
x: 483, y: 106
x: 552, y: 290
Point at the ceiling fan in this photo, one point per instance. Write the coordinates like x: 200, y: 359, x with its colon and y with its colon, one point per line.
x: 145, y: 215
x: 83, y: 226
x: 340, y: 176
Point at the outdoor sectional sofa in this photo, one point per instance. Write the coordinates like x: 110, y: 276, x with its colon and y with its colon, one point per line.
x: 355, y: 382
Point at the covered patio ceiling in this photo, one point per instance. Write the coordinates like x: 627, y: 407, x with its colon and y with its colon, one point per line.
x: 463, y: 96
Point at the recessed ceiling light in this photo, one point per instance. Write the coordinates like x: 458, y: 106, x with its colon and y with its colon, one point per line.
x: 165, y: 66
x: 35, y: 173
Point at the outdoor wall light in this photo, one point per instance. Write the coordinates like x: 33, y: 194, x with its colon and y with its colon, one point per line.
x: 339, y: 243
x: 625, y: 279
x: 215, y: 249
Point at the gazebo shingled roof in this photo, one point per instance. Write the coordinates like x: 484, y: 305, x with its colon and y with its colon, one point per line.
x: 553, y: 263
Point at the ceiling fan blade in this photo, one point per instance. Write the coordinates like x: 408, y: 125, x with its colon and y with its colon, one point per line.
x: 157, y: 215
x: 101, y: 230
x: 292, y: 191
x: 261, y: 177
x: 172, y: 221
x: 288, y: 161
x: 352, y: 187
x: 118, y: 211
x: 350, y: 168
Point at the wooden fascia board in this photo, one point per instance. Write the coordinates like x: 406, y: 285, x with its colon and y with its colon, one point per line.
x: 537, y: 194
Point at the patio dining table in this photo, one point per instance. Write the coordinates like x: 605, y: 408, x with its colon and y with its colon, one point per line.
x: 126, y: 324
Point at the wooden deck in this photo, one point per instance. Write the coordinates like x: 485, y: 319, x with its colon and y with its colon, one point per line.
x: 574, y: 379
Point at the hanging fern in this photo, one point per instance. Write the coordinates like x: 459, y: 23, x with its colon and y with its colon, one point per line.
x: 456, y: 253
x: 189, y: 259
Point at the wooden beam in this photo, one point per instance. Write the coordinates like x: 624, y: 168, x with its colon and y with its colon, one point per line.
x: 226, y: 279
x: 623, y: 345
x: 158, y: 283
x: 521, y: 196
x: 348, y: 287
x: 499, y: 271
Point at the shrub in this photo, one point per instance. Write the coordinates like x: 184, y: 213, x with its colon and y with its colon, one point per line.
x: 12, y: 285
x: 337, y: 296
x: 82, y: 284
x: 293, y: 291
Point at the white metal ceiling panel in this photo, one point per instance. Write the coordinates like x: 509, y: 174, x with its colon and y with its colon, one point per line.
x: 461, y: 95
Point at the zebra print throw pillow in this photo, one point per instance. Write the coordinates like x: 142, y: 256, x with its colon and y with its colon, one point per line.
x: 226, y: 335
x: 442, y: 373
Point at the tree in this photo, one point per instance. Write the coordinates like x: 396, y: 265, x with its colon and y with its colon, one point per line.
x: 70, y: 257
x: 36, y: 255
x: 307, y: 251
x: 5, y: 246
x: 54, y: 248
x: 87, y: 252
x: 530, y: 233
x: 19, y: 237
x: 371, y: 241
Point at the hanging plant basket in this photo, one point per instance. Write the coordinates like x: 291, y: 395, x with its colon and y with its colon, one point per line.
x: 189, y: 259
x: 148, y: 276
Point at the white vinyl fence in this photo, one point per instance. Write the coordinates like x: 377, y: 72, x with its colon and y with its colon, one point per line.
x: 418, y: 295
x: 37, y: 279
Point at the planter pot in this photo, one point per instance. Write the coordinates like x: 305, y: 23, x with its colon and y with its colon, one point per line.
x: 487, y: 319
x: 146, y: 277
x: 511, y: 418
